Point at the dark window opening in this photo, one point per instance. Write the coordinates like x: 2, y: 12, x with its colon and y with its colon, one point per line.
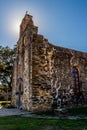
x: 76, y: 83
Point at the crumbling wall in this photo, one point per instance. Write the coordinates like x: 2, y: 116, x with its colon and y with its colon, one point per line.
x: 52, y: 74
x: 46, y: 76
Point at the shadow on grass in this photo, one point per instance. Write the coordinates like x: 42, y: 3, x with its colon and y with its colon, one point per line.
x: 75, y: 111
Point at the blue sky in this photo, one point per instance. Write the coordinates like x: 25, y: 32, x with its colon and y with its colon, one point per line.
x: 62, y: 22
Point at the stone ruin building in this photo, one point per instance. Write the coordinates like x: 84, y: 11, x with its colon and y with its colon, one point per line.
x: 46, y: 76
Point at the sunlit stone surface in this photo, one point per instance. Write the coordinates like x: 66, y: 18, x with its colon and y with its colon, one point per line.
x: 46, y: 76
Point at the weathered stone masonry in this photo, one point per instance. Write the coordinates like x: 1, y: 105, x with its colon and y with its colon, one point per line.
x: 44, y: 74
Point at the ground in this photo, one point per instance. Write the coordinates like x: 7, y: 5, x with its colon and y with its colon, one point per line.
x: 15, y: 119
x: 15, y: 111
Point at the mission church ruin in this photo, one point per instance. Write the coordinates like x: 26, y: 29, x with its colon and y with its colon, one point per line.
x: 46, y: 75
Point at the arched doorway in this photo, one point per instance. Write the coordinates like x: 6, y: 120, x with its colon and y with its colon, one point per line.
x: 19, y: 92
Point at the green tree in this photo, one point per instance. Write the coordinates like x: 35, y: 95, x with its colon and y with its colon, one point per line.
x: 6, y: 67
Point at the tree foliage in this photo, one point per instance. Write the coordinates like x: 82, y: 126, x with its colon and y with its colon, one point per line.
x: 6, y: 66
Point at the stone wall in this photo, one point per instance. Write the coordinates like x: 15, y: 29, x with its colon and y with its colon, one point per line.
x: 44, y: 75
x: 52, y: 73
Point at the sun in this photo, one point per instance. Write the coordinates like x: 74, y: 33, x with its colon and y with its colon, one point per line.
x: 15, y: 27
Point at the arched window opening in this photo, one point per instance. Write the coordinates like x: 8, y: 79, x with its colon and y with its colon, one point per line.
x: 76, y: 83
x: 19, y: 89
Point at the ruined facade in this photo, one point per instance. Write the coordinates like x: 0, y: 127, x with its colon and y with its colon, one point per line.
x: 45, y: 75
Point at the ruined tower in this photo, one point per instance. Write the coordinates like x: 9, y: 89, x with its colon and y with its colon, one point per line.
x: 44, y: 73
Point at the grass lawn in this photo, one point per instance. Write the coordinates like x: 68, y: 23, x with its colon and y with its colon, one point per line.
x: 4, y: 102
x: 25, y: 123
